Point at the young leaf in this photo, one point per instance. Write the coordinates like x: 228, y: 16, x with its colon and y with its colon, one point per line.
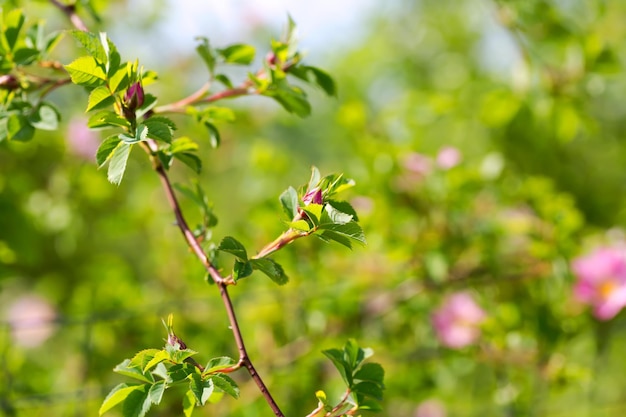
x: 233, y: 246
x: 270, y: 268
x: 217, y: 364
x: 107, y: 119
x: 117, y: 163
x: 350, y: 230
x: 117, y: 395
x: 206, y: 53
x: 214, y: 135
x: 156, y: 392
x: 160, y: 128
x: 189, y: 403
x: 237, y: 54
x: 13, y: 22
x: 119, y: 79
x: 241, y: 269
x: 45, y: 117
x: 158, y: 357
x: 289, y: 201
x: 99, y: 98
x: 25, y: 56
x: 371, y: 372
x: 344, y: 368
x: 106, y: 149
x: 324, y: 80
x: 86, y: 71
x: 292, y: 99
x: 368, y: 389
x: 141, y: 134
x: 137, y: 403
x: 126, y: 369
x: 191, y: 160
x: 201, y: 390
x: 92, y: 44
x: 332, y: 215
x: 142, y: 358
x: 19, y: 129
x: 226, y: 384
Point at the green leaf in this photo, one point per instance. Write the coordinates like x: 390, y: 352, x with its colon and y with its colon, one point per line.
x: 160, y: 128
x: 155, y: 394
x: 51, y: 41
x: 179, y: 355
x: 344, y: 207
x: 289, y: 201
x: 201, y: 390
x: 206, y: 53
x: 126, y: 369
x: 369, y: 404
x: 372, y: 372
x: 219, y: 363
x: 107, y: 119
x: 106, y: 149
x: 238, y: 54
x: 214, y: 135
x: 324, y: 80
x: 19, y: 129
x: 332, y: 215
x: 157, y: 358
x: 293, y: 99
x: 91, y: 43
x: 100, y: 97
x: 189, y: 403
x: 328, y: 236
x: 233, y: 246
x: 241, y: 270
x: 117, y: 395
x: 86, y: 71
x: 224, y: 80
x: 350, y: 230
x: 45, y: 117
x: 117, y: 163
x: 191, y: 160
x: 137, y: 403
x: 142, y: 358
x: 344, y: 368
x: 181, y: 372
x: 368, y: 389
x: 183, y: 144
x: 270, y: 268
x: 301, y: 225
x: 141, y: 134
x: 149, y: 101
x: 13, y: 22
x: 226, y: 384
x: 314, y: 212
x: 25, y: 56
x: 119, y: 79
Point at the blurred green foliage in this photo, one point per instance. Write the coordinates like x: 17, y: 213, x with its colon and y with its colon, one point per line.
x: 530, y: 93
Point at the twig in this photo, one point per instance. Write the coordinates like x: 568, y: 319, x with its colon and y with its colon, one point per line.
x: 222, y: 284
x: 70, y: 11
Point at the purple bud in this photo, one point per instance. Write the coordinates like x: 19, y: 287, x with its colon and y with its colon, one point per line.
x: 271, y: 58
x: 313, y: 197
x: 134, y: 96
x: 174, y: 340
x: 9, y: 82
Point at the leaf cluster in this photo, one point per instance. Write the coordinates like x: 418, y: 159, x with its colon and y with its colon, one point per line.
x: 364, y: 380
x: 24, y: 71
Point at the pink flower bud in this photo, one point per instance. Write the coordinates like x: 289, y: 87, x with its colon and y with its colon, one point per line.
x: 313, y: 197
x: 9, y: 82
x: 134, y: 96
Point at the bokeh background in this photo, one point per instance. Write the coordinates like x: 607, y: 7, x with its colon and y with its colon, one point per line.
x: 486, y: 141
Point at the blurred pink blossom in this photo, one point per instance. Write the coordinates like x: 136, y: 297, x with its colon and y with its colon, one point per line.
x: 32, y: 321
x: 418, y: 164
x: 81, y: 140
x: 430, y: 408
x: 601, y: 281
x: 457, y: 322
x: 449, y: 157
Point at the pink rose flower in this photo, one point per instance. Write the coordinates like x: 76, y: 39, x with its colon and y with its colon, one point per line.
x: 457, y: 322
x: 448, y: 157
x: 601, y: 281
